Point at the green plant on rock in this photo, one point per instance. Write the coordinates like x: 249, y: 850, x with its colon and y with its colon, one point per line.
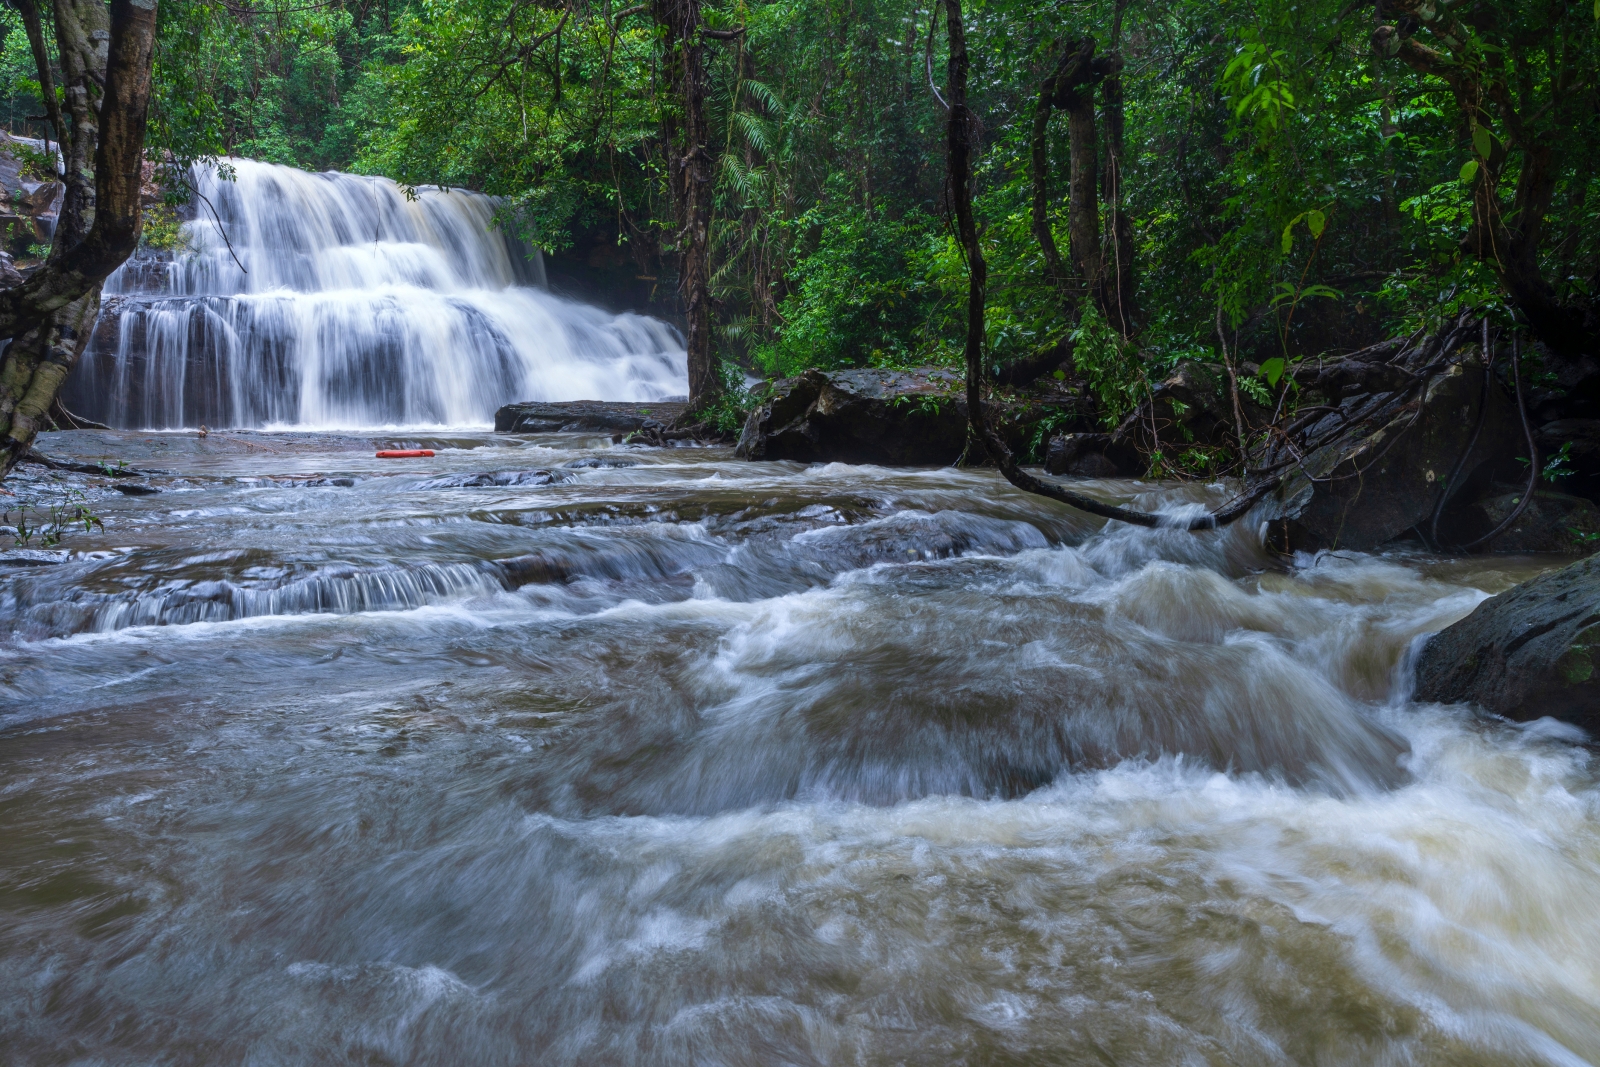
x: 49, y: 518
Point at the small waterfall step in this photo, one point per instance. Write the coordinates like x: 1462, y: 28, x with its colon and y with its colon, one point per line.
x: 584, y: 416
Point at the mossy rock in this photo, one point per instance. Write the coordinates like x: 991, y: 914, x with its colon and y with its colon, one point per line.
x: 1532, y: 651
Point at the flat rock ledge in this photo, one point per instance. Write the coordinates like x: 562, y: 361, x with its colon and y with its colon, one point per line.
x: 1532, y: 651
x: 584, y: 416
x: 900, y: 418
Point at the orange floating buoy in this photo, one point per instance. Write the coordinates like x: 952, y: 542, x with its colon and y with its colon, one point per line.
x: 405, y: 453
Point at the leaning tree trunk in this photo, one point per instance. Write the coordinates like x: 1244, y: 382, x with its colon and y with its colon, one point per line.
x: 49, y: 318
x: 689, y: 172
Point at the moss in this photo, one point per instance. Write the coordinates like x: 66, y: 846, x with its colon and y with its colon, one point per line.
x: 1576, y: 665
x: 162, y: 229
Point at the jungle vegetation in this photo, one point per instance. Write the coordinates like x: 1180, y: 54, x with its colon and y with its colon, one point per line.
x: 1266, y: 180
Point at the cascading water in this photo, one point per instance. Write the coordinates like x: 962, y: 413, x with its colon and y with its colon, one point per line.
x: 333, y: 300
x: 550, y: 751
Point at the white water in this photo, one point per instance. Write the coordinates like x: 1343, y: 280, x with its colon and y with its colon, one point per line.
x: 548, y: 751
x: 331, y: 300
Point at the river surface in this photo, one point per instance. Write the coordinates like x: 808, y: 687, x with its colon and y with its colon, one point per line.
x: 548, y: 751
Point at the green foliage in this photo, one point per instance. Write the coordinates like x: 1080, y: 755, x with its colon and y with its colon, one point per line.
x: 1275, y: 169
x: 162, y: 228
x: 1110, y: 364
x: 855, y: 299
x: 47, y: 515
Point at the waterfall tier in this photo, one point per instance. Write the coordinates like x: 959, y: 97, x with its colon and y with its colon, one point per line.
x: 334, y: 300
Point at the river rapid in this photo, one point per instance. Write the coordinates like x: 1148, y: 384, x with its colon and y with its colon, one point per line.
x: 551, y: 751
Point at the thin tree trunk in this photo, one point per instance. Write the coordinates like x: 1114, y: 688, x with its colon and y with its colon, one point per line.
x: 41, y: 61
x: 689, y: 172
x: 1055, y: 269
x: 1117, y: 299
x: 1083, y: 199
x: 958, y: 159
x: 50, y: 318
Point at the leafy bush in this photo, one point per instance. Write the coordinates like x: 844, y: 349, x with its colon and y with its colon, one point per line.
x: 855, y: 300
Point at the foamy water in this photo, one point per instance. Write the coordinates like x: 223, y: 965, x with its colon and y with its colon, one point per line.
x: 657, y: 757
x: 335, y: 300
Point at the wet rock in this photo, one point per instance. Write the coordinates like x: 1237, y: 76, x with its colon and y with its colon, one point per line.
x: 1552, y: 522
x: 135, y: 489
x: 593, y: 463
x: 29, y: 201
x: 491, y: 479
x: 896, y: 418
x: 1529, y: 652
x: 1084, y: 455
x: 1193, y: 405
x: 1369, y: 487
x: 584, y: 416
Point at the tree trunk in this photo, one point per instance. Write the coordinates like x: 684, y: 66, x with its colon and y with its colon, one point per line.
x: 1116, y: 297
x: 958, y: 159
x: 1055, y: 269
x: 1506, y: 240
x: 1075, y: 96
x: 689, y: 173
x: 50, y: 317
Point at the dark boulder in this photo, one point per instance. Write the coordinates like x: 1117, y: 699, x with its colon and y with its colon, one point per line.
x: 584, y: 416
x: 1389, y: 463
x: 1191, y: 406
x: 896, y: 418
x: 1529, y: 652
x: 1552, y: 522
x: 1086, y: 456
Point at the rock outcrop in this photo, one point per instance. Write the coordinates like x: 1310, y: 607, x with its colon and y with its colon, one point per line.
x: 32, y: 196
x: 585, y: 416
x: 897, y: 418
x: 1372, y: 483
x: 1552, y: 522
x: 1530, y: 652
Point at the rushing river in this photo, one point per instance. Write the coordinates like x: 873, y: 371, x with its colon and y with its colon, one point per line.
x: 546, y: 751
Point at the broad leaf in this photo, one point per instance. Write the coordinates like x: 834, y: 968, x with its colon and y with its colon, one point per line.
x: 1482, y: 141
x: 1469, y: 170
x: 1272, y: 370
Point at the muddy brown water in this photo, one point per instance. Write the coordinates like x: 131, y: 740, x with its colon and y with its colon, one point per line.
x: 546, y: 751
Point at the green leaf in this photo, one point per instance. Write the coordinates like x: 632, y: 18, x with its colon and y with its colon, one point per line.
x: 1482, y: 141
x: 1060, y: 375
x: 1469, y: 170
x: 1288, y: 234
x: 1272, y: 370
x: 1315, y: 221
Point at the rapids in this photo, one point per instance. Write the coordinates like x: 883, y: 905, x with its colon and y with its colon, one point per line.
x: 630, y: 756
x: 336, y: 300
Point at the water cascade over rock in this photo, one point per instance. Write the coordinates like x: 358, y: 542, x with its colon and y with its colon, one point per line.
x: 334, y: 300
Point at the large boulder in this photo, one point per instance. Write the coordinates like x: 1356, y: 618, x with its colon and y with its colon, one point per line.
x: 584, y: 416
x: 1552, y: 522
x: 1369, y: 487
x: 29, y: 200
x: 896, y: 418
x: 1191, y: 406
x: 1529, y: 652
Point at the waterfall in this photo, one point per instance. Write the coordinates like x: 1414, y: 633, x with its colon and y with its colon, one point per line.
x: 337, y: 301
